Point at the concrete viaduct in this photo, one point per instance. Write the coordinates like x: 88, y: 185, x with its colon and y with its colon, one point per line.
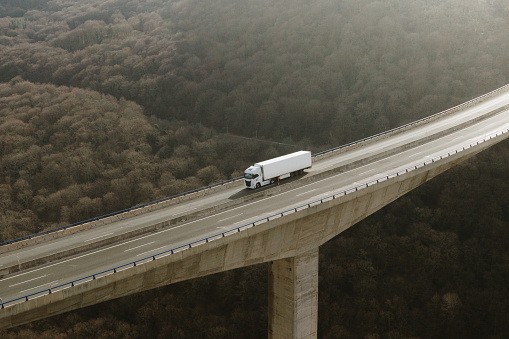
x: 288, y: 241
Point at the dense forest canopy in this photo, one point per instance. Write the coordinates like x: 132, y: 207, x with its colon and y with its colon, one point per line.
x: 280, y: 69
x: 105, y: 104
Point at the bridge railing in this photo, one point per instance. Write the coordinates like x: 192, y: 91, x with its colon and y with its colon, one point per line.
x: 431, y: 117
x: 246, y: 226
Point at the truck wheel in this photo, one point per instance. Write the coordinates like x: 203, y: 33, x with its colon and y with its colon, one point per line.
x: 258, y: 185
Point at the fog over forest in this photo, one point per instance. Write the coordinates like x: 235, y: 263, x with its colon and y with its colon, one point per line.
x: 105, y: 104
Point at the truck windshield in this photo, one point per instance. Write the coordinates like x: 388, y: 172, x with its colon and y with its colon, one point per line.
x: 248, y: 176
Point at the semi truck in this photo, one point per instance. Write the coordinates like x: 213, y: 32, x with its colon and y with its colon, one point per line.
x: 269, y: 171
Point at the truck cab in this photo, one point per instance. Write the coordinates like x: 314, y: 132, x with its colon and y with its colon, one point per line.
x: 253, y: 177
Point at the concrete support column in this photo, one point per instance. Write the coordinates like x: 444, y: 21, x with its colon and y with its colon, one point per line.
x: 293, y: 296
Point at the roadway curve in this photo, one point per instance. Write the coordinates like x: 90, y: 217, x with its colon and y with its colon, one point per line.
x: 358, y: 165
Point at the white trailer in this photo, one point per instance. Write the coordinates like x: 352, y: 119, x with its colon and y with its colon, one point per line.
x: 270, y: 171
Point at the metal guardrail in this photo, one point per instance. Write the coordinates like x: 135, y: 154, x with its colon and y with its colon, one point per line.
x: 246, y: 226
x: 501, y: 89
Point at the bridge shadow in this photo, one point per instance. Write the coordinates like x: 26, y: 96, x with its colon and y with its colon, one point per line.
x: 246, y: 192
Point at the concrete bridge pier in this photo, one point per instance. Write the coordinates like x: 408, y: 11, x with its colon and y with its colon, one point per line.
x: 293, y: 296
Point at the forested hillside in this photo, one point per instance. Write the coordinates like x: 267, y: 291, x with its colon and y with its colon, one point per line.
x: 105, y: 104
x: 69, y: 154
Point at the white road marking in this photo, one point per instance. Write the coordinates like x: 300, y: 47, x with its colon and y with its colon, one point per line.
x: 365, y: 172
x: 28, y: 281
x: 233, y: 216
x: 133, y: 248
x: 418, y: 154
x: 43, y: 285
x: 152, y: 251
x: 101, y: 236
x: 297, y: 195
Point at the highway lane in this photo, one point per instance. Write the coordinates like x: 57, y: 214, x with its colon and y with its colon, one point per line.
x: 184, y: 208
x: 69, y: 269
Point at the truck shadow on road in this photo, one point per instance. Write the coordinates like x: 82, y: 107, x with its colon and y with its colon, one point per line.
x: 246, y: 192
